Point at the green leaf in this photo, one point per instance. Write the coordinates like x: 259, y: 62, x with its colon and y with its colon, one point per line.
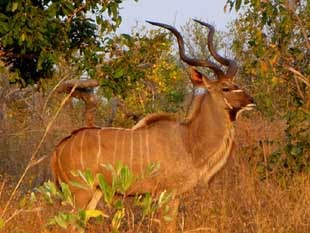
x: 108, y: 167
x: 94, y: 214
x: 238, y: 4
x: 127, y: 37
x: 164, y: 198
x: 2, y: 223
x: 23, y: 202
x: 108, y: 191
x: 296, y: 151
x: 125, y: 178
x: 89, y: 178
x: 85, y: 176
x: 118, y: 205
x: 119, y: 73
x: 167, y: 218
x: 152, y: 169
x: 79, y: 185
x: 62, y: 220
x: 67, y: 195
x: 3, y: 17
x: 33, y: 197
x: 117, y: 219
x: 48, y: 190
x: 14, y: 6
x: 145, y: 202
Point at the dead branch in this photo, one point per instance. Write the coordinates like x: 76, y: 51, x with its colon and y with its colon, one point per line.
x: 84, y: 91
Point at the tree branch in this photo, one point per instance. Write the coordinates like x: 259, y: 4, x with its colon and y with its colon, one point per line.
x: 75, y: 12
x: 16, y: 55
x: 84, y: 92
x: 300, y: 76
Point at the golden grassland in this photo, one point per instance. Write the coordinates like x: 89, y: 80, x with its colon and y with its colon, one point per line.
x: 237, y: 199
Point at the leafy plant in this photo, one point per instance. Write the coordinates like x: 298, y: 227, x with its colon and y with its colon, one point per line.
x: 114, y: 197
x: 141, y: 76
x: 35, y: 34
x: 271, y: 43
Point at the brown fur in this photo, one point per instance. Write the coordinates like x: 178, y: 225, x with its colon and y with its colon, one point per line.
x: 153, y: 118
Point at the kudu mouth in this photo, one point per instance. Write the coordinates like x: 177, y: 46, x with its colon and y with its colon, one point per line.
x: 250, y: 106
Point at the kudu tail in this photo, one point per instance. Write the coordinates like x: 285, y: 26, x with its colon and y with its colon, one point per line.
x: 54, y: 168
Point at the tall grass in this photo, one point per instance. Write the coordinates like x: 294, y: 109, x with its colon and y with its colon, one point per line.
x: 238, y: 201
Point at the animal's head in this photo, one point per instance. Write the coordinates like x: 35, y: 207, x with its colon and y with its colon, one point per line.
x: 222, y: 88
x: 235, y: 99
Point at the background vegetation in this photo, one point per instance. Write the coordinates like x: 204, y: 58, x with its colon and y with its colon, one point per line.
x: 265, y: 186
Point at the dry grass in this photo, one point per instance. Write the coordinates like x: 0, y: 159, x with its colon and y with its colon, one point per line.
x: 237, y: 201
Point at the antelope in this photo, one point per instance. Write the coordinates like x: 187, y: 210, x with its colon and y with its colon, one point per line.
x: 188, y: 150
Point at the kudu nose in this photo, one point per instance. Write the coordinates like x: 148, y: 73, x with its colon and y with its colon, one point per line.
x: 252, y: 100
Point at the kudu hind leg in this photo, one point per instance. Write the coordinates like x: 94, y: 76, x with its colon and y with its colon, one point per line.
x: 82, y: 198
x: 92, y: 204
x: 85, y: 199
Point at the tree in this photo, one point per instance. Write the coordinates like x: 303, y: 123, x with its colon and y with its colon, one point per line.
x: 34, y: 34
x: 271, y: 41
x: 142, y: 75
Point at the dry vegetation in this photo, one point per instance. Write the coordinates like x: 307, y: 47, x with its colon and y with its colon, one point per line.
x: 237, y: 200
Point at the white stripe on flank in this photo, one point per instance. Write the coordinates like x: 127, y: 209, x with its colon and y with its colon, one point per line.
x: 71, y: 146
x: 123, y: 152
x: 115, y: 146
x: 66, y: 179
x: 147, y: 142
x: 81, y: 148
x: 141, y: 152
x: 99, y: 147
x: 131, y: 149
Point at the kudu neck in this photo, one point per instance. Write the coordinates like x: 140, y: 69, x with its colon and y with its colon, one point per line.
x: 207, y: 110
x: 207, y: 124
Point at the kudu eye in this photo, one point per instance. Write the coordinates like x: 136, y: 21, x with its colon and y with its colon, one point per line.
x: 225, y: 89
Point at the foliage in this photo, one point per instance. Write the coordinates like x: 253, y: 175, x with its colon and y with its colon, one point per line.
x: 196, y: 39
x: 142, y: 75
x: 35, y: 34
x: 122, y: 180
x: 272, y: 45
x: 1, y: 223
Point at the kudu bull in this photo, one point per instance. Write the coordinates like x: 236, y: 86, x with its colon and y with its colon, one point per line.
x: 189, y: 150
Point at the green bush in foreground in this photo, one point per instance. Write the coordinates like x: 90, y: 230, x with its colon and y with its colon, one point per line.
x: 114, y: 197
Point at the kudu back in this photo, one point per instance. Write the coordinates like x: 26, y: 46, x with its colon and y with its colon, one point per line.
x: 188, y: 150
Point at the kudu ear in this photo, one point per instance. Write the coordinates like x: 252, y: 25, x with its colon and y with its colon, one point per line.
x: 198, y: 79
